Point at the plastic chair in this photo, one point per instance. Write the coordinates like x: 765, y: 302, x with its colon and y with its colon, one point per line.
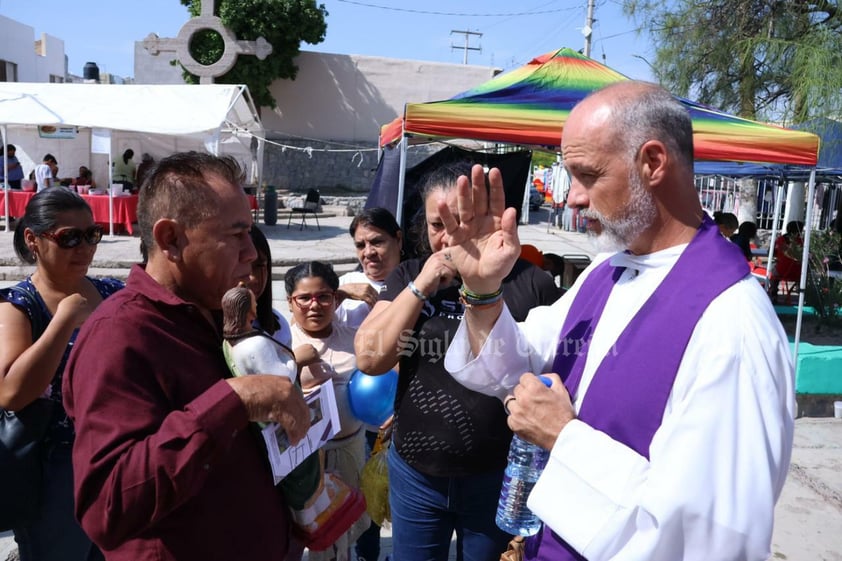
x: 311, y: 206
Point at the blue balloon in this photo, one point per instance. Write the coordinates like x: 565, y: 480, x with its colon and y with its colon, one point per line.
x: 372, y: 398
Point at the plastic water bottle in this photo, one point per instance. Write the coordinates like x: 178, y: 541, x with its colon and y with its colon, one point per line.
x: 526, y: 462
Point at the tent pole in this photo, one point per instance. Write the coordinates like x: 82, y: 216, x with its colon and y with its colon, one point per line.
x: 257, y: 162
x: 110, y: 181
x: 775, y: 230
x: 556, y: 185
x: 401, y: 181
x: 524, y: 204
x: 805, y: 260
x: 3, y: 133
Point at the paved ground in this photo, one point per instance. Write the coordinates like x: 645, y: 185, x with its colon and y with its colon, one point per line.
x: 332, y: 243
x: 808, y: 523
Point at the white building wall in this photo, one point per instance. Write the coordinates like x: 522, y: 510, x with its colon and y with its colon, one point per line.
x: 339, y: 97
x: 52, y: 60
x: 17, y: 44
x: 349, y: 97
x: 325, y: 129
x: 334, y: 109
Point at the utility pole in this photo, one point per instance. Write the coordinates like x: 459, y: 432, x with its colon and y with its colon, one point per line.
x: 587, y: 31
x: 465, y: 47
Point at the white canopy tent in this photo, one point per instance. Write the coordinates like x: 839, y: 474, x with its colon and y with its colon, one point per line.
x: 159, y: 119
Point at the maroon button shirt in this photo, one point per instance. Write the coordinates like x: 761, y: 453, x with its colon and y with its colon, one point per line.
x: 165, y: 466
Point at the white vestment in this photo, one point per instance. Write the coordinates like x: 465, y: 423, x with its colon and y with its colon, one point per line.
x: 720, y: 457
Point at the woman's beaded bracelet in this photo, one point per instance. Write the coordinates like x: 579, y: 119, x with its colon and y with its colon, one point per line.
x: 487, y: 304
x: 473, y: 299
x: 415, y: 290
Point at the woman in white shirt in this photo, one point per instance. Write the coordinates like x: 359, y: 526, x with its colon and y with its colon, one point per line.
x: 378, y: 241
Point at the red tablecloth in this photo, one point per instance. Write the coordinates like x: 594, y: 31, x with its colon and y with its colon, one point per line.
x: 125, y: 210
x: 17, y: 202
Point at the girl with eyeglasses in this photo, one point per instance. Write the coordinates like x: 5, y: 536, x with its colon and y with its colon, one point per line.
x: 311, y: 289
x: 58, y: 236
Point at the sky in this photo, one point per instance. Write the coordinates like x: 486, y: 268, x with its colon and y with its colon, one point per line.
x: 104, y: 31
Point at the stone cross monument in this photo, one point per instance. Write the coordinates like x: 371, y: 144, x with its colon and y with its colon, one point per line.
x: 180, y: 45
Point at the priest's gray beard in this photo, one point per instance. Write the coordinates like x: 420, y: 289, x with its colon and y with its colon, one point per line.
x: 637, y: 215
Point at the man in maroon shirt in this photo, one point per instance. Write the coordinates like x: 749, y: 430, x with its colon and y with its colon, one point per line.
x: 165, y: 464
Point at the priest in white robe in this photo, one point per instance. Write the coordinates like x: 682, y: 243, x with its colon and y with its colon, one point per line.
x: 670, y: 416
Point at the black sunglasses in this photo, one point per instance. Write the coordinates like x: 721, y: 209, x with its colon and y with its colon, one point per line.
x: 71, y: 237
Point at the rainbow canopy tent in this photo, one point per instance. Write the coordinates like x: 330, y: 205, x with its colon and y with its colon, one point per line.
x: 529, y: 106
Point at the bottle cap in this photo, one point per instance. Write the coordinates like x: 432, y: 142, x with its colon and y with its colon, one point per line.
x: 547, y: 381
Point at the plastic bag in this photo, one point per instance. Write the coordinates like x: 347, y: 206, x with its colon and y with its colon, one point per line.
x: 374, y: 482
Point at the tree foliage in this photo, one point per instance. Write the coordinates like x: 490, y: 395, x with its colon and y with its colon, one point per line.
x: 770, y: 59
x: 283, y: 23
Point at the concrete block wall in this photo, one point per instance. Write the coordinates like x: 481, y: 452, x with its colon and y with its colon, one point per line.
x: 295, y: 169
x: 320, y: 164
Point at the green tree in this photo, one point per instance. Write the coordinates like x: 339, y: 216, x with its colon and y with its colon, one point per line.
x: 283, y: 23
x: 775, y: 60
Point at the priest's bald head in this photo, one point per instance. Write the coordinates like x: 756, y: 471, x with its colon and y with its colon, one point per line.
x: 629, y: 150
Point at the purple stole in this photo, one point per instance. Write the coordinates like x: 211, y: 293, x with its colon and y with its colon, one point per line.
x: 629, y: 391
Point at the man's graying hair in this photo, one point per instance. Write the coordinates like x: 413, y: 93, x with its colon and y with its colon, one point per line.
x: 652, y: 113
x: 177, y: 188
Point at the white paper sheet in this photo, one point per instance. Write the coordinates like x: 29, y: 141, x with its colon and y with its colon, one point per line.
x: 324, y: 424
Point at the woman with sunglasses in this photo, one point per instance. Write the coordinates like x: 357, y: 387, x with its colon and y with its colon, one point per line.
x: 311, y: 289
x: 58, y: 236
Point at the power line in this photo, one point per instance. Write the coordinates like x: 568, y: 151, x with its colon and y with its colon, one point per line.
x: 466, y: 14
x: 507, y: 19
x: 545, y: 39
x: 620, y: 34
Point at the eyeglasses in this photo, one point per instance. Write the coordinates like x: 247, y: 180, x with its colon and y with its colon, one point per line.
x: 305, y: 300
x: 69, y: 238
